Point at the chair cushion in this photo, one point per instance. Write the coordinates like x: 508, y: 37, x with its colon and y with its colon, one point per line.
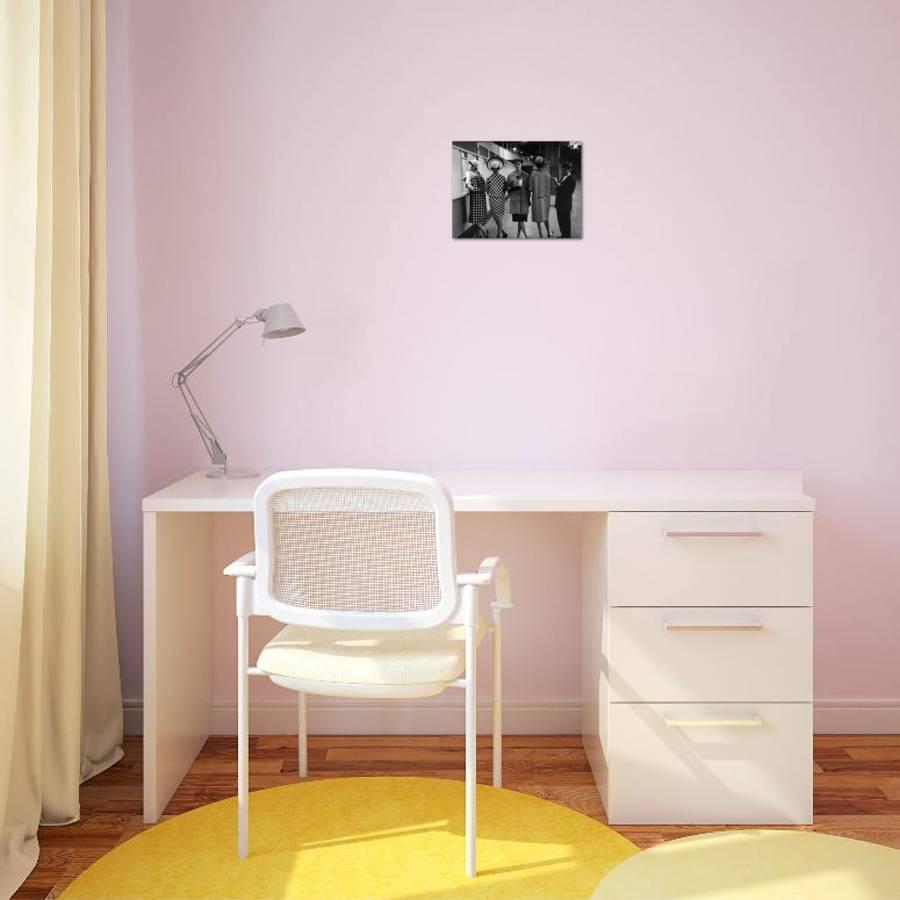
x: 334, y: 656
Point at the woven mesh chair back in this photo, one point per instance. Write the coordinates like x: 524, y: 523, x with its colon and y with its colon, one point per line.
x: 354, y: 549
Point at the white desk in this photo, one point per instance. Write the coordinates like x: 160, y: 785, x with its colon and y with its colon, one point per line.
x: 179, y: 573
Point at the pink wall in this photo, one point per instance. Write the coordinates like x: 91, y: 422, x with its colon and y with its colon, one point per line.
x: 735, y: 302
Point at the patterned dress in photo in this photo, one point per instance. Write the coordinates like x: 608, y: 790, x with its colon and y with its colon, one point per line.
x: 496, y: 191
x: 541, y: 189
x: 518, y: 185
x: 478, y: 211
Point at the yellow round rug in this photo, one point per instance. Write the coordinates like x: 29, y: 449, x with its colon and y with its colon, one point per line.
x: 757, y: 865
x: 363, y: 837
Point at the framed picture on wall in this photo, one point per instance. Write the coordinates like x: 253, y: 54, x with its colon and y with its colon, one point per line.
x: 516, y: 189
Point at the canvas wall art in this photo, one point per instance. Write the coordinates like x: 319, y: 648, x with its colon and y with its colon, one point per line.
x: 516, y: 189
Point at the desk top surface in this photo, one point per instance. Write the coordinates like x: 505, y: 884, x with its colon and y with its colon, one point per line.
x: 545, y: 491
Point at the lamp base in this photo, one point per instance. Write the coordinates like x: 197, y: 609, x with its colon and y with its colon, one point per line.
x: 228, y: 473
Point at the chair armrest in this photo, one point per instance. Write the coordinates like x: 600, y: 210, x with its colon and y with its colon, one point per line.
x: 245, y: 566
x: 491, y: 571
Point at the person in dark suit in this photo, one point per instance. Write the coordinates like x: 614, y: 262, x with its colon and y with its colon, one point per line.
x: 565, y: 187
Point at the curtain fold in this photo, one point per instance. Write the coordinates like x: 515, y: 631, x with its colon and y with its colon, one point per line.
x: 60, y: 700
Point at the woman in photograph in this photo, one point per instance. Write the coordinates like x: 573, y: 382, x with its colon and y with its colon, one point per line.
x: 517, y: 183
x: 496, y: 191
x: 478, y: 209
x: 470, y: 173
x: 541, y: 189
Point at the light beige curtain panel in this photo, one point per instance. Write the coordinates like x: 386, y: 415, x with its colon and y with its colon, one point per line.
x: 60, y: 701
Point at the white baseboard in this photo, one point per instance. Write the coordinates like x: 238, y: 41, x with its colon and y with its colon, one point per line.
x: 857, y: 716
x: 333, y: 716
x: 443, y: 716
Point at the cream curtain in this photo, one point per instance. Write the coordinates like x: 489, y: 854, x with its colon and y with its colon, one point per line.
x: 60, y: 703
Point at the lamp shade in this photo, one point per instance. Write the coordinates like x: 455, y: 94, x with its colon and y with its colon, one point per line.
x: 281, y: 321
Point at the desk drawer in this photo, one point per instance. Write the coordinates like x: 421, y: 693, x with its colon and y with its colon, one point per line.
x: 723, y: 764
x: 709, y: 559
x: 682, y: 654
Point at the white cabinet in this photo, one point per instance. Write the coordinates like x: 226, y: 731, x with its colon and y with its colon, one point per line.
x: 681, y: 654
x: 697, y: 661
x: 710, y: 763
x: 710, y: 559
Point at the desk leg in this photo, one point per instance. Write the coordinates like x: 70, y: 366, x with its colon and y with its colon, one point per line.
x: 594, y: 650
x: 177, y: 588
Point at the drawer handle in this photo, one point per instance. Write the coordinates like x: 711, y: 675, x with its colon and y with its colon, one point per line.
x: 751, y: 722
x: 712, y: 534
x: 735, y: 626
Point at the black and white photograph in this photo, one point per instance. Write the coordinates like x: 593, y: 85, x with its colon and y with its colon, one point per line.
x: 516, y: 189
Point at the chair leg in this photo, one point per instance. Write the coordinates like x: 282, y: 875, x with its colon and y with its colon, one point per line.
x: 471, y: 738
x: 497, y: 741
x: 302, y: 757
x: 243, y: 738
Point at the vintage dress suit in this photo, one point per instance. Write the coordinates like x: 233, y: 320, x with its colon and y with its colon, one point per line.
x: 496, y: 191
x: 564, y: 192
x: 541, y: 189
x: 478, y: 211
x: 519, y: 187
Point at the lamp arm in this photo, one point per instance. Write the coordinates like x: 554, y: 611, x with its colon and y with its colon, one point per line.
x: 217, y: 455
x: 211, y: 348
x: 180, y: 380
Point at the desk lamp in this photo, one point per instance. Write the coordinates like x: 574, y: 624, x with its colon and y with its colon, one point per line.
x: 279, y: 321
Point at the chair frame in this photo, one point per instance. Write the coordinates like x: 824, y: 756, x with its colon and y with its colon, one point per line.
x: 460, y: 603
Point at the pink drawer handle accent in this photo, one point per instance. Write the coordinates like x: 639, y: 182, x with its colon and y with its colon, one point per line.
x: 735, y: 626
x: 711, y: 534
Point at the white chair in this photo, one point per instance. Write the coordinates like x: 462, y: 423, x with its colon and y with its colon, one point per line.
x: 360, y: 565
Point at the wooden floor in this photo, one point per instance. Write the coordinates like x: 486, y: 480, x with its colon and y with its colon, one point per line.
x: 857, y: 787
